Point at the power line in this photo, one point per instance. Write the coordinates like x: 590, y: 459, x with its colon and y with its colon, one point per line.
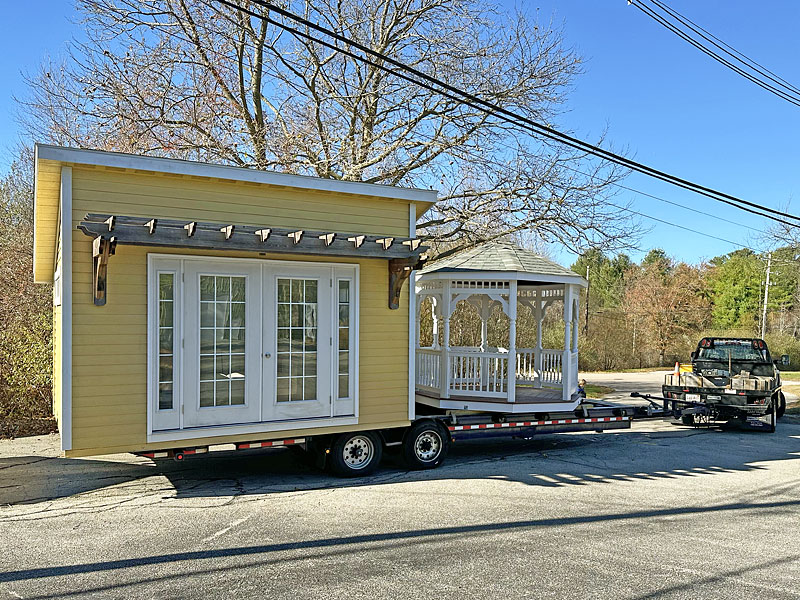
x: 728, y: 49
x: 689, y: 32
x: 492, y: 109
x: 634, y: 190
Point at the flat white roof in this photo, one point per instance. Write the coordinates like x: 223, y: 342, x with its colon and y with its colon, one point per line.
x: 102, y: 158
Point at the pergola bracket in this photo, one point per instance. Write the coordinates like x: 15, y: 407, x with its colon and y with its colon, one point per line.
x: 102, y: 248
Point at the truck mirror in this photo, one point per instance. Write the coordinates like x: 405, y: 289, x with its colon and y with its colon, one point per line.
x: 694, y: 354
x: 785, y: 359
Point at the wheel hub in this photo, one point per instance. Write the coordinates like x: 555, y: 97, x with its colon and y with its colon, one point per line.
x: 358, y: 452
x: 428, y: 446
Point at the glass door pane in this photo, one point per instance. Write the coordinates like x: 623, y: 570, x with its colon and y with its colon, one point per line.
x: 298, y: 326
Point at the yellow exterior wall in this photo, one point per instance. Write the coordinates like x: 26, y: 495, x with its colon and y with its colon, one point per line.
x: 109, y: 364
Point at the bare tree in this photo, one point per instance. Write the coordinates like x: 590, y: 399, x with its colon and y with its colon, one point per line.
x: 203, y: 81
x: 670, y: 304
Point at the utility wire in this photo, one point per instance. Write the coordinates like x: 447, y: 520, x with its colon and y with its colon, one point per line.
x: 489, y: 108
x: 779, y: 87
x: 728, y: 49
x: 630, y: 189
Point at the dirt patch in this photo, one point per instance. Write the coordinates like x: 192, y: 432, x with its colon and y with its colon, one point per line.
x: 16, y: 428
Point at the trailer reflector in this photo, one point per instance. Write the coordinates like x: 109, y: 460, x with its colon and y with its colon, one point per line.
x: 269, y: 444
x: 535, y: 423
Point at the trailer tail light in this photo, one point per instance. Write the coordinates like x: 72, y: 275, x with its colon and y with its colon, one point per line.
x: 759, y: 344
x: 706, y: 343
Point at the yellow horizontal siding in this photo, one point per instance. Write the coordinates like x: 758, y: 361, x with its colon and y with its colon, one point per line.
x: 223, y: 201
x: 110, y: 342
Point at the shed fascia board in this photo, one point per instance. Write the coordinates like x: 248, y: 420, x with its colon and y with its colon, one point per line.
x: 453, y: 275
x: 173, y: 166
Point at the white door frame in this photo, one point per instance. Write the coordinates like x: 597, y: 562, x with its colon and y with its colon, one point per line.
x: 346, y: 412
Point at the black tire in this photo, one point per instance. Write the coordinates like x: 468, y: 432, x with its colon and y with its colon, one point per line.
x: 356, y: 454
x: 781, y: 410
x: 687, y: 419
x: 425, y: 445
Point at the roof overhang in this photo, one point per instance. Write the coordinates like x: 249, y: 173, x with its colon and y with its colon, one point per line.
x: 531, y: 278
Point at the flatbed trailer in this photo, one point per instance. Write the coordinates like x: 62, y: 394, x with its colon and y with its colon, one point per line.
x: 425, y: 442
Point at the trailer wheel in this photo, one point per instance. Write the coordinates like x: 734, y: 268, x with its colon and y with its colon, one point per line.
x: 425, y: 445
x: 356, y: 454
x: 781, y: 409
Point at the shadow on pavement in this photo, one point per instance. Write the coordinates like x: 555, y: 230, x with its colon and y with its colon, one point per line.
x: 549, y: 460
x: 341, y: 545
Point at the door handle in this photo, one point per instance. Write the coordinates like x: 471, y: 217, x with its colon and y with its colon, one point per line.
x: 267, y: 355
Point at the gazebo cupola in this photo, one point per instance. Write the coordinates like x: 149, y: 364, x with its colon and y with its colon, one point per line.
x: 504, y: 377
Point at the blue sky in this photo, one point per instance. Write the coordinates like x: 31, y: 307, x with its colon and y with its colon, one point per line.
x: 663, y: 102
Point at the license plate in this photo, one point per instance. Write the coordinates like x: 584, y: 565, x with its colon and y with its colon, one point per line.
x: 730, y: 391
x: 693, y: 396
x: 713, y: 397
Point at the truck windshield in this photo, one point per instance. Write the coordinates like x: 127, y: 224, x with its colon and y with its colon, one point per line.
x: 739, y: 350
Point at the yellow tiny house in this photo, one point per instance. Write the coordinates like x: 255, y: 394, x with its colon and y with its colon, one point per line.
x: 200, y: 304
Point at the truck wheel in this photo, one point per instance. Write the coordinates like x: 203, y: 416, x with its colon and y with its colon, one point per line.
x: 773, y: 420
x: 781, y: 410
x: 356, y: 454
x: 425, y: 445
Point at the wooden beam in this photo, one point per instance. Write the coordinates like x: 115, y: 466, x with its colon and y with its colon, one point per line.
x: 399, y: 270
x: 102, y: 248
x: 197, y: 235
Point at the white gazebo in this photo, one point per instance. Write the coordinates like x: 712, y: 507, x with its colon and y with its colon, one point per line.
x: 500, y: 274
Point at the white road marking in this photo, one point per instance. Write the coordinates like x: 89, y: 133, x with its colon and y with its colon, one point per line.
x: 225, y: 530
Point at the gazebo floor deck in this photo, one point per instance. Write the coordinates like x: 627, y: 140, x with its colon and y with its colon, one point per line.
x: 528, y: 399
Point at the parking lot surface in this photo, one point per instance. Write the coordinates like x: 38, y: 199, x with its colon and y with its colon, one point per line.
x: 657, y: 511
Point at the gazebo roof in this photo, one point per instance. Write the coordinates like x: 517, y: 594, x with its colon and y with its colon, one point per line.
x: 503, y: 260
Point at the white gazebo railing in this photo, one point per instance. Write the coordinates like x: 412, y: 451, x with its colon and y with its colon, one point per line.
x: 475, y: 373
x: 427, y: 369
x: 548, y: 373
x: 478, y: 373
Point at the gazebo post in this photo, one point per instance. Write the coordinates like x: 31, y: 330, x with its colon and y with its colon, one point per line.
x: 486, y: 305
x: 512, y: 342
x: 566, y: 370
x: 435, y: 317
x: 537, y: 351
x: 444, y: 365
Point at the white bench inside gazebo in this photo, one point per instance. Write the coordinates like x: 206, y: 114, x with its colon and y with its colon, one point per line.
x: 497, y: 274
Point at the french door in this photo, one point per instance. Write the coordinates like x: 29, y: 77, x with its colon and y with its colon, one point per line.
x: 298, y: 339
x: 222, y: 345
x: 246, y: 341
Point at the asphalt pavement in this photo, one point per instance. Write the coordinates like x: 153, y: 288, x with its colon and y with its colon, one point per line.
x: 658, y: 511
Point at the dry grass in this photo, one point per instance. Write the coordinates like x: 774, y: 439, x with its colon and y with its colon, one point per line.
x: 597, y: 391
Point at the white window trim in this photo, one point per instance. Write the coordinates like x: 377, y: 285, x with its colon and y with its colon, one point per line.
x: 353, y: 274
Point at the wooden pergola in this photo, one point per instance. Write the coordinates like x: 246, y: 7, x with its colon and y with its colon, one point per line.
x: 403, y: 254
